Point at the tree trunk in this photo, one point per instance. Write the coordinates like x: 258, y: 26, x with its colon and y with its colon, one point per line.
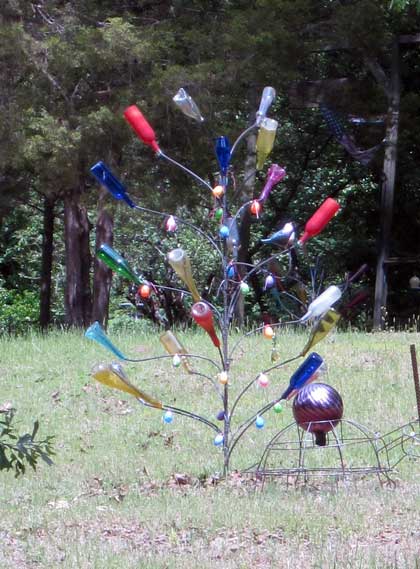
x: 102, y: 277
x: 387, y: 194
x: 46, y: 263
x: 77, y: 299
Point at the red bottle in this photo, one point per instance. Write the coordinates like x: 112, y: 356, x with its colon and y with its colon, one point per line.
x: 144, y: 131
x: 320, y: 218
x: 203, y: 315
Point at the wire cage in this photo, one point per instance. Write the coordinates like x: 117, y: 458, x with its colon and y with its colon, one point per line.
x: 350, y: 450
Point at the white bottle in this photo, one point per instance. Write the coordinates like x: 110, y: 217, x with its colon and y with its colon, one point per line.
x: 322, y: 303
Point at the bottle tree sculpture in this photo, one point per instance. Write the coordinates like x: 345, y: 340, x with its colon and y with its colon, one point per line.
x: 215, y: 315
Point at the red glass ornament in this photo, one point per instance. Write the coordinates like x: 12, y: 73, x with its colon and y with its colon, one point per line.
x: 138, y: 122
x: 317, y: 408
x: 256, y: 208
x: 320, y: 218
x: 203, y: 315
x: 144, y: 291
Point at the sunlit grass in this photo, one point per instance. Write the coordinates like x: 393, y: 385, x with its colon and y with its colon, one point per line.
x: 108, y: 501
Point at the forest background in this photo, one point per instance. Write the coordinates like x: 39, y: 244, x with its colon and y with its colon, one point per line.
x: 69, y: 68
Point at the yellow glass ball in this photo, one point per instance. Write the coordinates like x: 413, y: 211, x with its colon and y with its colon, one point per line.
x: 223, y: 377
x: 218, y: 191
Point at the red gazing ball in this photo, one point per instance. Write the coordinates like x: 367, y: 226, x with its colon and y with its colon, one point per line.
x: 317, y: 408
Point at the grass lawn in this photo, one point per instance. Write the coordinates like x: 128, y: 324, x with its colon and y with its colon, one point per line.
x: 128, y: 491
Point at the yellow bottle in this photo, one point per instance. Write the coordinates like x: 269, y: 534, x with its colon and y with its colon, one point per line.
x: 265, y: 140
x: 173, y: 346
x: 113, y: 376
x: 180, y: 262
x: 321, y: 329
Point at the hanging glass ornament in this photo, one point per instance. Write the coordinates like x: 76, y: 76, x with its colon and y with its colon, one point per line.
x: 256, y: 208
x: 224, y: 231
x: 176, y: 360
x: 168, y: 417
x: 268, y: 332
x: 263, y: 380
x: 218, y: 440
x: 275, y: 354
x: 260, y: 422
x: 278, y: 407
x: 244, y: 288
x: 170, y: 224
x: 218, y: 214
x: 230, y: 271
x: 145, y: 291
x: 269, y: 282
x: 218, y: 192
x: 223, y: 377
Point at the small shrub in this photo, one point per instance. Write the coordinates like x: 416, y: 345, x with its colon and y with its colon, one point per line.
x: 19, y: 311
x: 18, y: 451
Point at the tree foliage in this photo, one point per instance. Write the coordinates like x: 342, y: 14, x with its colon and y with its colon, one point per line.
x: 69, y: 69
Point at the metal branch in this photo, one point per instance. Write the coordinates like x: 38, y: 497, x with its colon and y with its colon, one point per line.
x: 183, y: 222
x: 191, y: 415
x: 185, y: 169
x: 251, y: 383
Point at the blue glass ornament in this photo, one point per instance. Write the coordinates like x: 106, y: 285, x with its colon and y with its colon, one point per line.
x: 224, y: 232
x: 107, y: 179
x: 269, y: 282
x: 259, y: 422
x: 303, y: 373
x: 168, y: 417
x: 230, y: 273
x: 218, y: 440
x: 223, y: 154
x: 97, y: 334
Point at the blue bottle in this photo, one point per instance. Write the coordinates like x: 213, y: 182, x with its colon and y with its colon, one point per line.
x: 107, y: 179
x: 303, y: 373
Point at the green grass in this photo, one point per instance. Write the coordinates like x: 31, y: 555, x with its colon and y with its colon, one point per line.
x: 110, y: 499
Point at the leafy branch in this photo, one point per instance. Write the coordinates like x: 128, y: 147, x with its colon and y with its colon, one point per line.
x: 18, y: 451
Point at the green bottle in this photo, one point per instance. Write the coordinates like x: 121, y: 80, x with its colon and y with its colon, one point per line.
x: 117, y: 263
